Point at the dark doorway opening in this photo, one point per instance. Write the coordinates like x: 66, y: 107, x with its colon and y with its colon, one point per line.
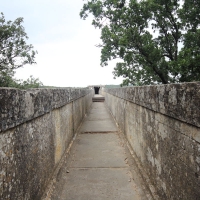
x: 96, y: 90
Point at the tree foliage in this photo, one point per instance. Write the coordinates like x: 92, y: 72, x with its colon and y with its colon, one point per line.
x: 31, y: 82
x: 14, y: 51
x: 158, y: 41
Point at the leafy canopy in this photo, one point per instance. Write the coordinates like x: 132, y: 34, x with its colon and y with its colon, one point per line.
x: 14, y: 52
x: 158, y: 41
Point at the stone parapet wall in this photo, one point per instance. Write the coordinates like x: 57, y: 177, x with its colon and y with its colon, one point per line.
x: 180, y: 101
x: 19, y: 106
x: 37, y: 127
x: 162, y: 126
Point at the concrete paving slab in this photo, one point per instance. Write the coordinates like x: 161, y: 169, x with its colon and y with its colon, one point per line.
x: 98, y: 120
x: 98, y: 126
x: 92, y: 150
x: 97, y: 184
x: 98, y: 165
x: 99, y: 110
x: 98, y: 116
x: 98, y: 105
x: 98, y: 95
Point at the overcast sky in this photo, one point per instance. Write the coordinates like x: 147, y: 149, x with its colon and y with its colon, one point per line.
x: 67, y: 55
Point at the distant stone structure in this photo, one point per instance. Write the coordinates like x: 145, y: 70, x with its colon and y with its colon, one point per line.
x: 96, y: 88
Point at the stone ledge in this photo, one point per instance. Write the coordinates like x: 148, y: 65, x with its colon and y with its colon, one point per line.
x: 19, y: 106
x: 180, y: 101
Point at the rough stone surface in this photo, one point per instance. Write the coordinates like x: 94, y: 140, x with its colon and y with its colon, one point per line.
x: 180, y: 101
x: 31, y: 151
x: 161, y: 123
x: 19, y: 106
x: 153, y: 119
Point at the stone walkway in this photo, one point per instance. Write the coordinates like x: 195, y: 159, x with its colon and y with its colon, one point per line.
x: 98, y: 167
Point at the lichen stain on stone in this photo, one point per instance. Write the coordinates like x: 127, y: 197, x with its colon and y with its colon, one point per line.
x: 173, y: 96
x: 169, y: 151
x: 29, y: 105
x: 58, y: 143
x: 162, y: 131
x: 29, y: 151
x: 150, y: 156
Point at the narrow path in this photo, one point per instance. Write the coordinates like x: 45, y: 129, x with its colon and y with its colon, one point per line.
x: 98, y: 166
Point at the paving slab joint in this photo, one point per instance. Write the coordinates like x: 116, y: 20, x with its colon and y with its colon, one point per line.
x: 96, y: 132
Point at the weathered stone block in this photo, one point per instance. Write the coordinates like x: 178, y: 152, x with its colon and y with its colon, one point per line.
x: 36, y: 129
x: 162, y: 125
x: 19, y: 106
x: 180, y: 101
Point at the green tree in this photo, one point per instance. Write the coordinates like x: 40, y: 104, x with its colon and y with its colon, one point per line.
x: 14, y: 52
x: 158, y: 41
x: 31, y: 82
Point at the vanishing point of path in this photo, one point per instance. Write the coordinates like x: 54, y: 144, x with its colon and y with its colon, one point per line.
x: 98, y: 167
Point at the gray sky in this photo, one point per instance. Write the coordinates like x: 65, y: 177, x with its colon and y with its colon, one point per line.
x: 67, y: 55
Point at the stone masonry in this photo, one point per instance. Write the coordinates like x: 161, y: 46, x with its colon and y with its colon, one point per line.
x: 36, y: 128
x: 160, y: 123
x: 162, y: 126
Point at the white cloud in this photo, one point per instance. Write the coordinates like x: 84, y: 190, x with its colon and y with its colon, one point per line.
x: 67, y: 55
x: 74, y: 62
